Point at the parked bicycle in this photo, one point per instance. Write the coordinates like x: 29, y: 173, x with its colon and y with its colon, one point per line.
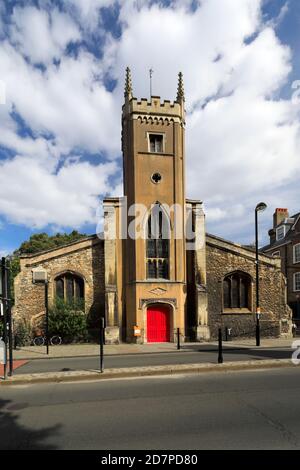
x: 41, y: 340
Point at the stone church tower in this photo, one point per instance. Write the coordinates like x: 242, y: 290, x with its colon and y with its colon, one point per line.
x: 147, y: 255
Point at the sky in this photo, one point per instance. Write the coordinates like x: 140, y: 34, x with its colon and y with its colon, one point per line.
x: 62, y: 66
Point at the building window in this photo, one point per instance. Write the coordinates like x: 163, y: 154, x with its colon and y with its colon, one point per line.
x: 156, y: 178
x: 297, y: 253
x: 69, y: 287
x: 280, y: 233
x: 276, y: 253
x: 157, y: 250
x: 237, y: 291
x: 156, y: 143
x: 297, y: 282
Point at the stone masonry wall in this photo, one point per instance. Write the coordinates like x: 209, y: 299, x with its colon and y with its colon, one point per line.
x: 275, y: 319
x: 85, y: 258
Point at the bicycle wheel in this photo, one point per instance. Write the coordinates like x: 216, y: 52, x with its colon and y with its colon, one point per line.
x: 39, y: 341
x: 56, y: 340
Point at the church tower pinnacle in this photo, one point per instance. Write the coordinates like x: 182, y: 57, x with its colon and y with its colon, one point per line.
x: 180, y: 89
x: 128, y: 85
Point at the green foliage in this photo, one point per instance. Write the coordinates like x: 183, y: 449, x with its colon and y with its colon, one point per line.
x: 22, y: 333
x: 68, y: 320
x: 42, y: 242
x: 14, y: 271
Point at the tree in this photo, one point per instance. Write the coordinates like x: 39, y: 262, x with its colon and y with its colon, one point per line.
x: 42, y: 242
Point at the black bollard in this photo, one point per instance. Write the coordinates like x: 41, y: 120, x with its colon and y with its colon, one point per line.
x: 178, y: 338
x: 257, y: 332
x: 101, y: 343
x: 220, y: 354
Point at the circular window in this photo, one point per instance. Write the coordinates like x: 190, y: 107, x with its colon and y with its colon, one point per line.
x: 156, y: 178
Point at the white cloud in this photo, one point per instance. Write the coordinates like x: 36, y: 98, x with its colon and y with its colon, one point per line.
x: 88, y: 11
x: 276, y: 21
x: 68, y: 100
x: 33, y: 196
x: 41, y: 36
x: 176, y: 39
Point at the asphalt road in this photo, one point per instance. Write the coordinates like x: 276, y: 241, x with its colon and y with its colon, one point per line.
x: 236, y: 410
x: 205, y: 354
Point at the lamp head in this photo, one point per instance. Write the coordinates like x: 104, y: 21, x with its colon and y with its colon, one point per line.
x: 261, y: 206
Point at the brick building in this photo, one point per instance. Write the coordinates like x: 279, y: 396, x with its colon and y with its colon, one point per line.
x: 285, y: 243
x: 155, y: 268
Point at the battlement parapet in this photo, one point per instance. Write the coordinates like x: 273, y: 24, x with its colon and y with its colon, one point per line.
x: 154, y: 106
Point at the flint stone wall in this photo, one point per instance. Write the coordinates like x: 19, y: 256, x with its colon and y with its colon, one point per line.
x: 224, y: 257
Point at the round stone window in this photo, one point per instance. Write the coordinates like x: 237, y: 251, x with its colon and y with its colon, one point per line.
x: 156, y: 178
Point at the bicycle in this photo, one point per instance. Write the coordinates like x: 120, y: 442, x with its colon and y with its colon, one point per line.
x: 41, y: 340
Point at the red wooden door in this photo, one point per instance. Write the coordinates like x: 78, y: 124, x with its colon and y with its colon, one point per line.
x: 158, y: 324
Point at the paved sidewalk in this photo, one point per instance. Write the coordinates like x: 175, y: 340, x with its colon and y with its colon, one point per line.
x: 89, y: 350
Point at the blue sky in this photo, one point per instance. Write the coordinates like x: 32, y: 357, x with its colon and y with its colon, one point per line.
x: 62, y: 66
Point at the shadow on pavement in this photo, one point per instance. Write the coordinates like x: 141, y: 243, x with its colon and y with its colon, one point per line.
x: 15, y: 436
x: 260, y: 353
x: 264, y: 353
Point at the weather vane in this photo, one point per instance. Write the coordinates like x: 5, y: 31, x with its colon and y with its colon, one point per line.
x: 150, y: 74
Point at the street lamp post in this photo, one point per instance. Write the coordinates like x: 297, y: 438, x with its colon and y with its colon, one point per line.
x: 47, y: 316
x: 259, y: 208
x: 39, y: 276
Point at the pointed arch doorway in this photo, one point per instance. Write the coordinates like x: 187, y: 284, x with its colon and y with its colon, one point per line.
x: 158, y: 323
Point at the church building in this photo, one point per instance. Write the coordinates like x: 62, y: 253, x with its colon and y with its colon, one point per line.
x: 155, y: 269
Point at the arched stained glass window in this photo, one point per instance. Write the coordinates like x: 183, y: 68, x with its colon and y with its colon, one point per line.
x: 69, y: 287
x: 157, y: 251
x: 237, y: 291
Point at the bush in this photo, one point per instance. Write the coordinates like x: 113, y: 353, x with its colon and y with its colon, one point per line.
x: 22, y: 333
x: 68, y: 320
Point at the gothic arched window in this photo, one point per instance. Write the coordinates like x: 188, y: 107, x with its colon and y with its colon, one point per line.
x: 157, y: 251
x: 69, y: 287
x: 237, y: 291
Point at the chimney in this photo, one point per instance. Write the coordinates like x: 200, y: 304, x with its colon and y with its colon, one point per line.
x: 279, y: 215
